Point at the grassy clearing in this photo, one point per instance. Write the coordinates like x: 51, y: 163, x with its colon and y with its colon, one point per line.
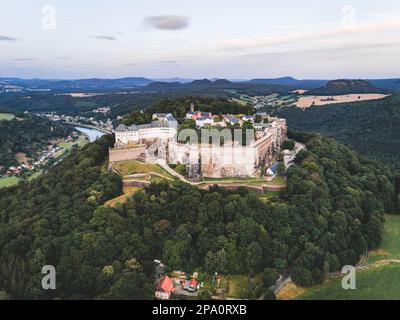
x: 268, y: 196
x: 21, y: 157
x: 12, y: 181
x: 6, y: 116
x: 290, y: 291
x: 277, y: 181
x: 134, y: 166
x: 236, y: 284
x: 35, y: 175
x: 81, y: 142
x: 128, y: 192
x: 8, y: 182
x: 239, y: 101
x: 374, y: 284
x: 147, y: 178
x: 390, y: 248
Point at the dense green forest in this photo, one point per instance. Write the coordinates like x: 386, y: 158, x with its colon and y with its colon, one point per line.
x: 370, y: 127
x: 45, y: 102
x: 121, y: 104
x: 218, y: 87
x: 27, y: 134
x: 332, y: 212
x: 180, y: 106
x: 48, y: 222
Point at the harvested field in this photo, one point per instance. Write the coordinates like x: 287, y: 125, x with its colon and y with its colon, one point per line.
x: 309, y: 101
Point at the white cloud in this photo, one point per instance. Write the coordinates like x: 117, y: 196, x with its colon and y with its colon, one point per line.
x: 328, y: 35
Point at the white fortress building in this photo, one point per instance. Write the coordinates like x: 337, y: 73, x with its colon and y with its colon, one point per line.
x: 158, y: 141
x: 164, y: 127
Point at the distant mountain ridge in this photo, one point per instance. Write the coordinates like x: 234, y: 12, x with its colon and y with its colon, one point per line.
x: 94, y: 83
x: 343, y: 86
x: 290, y: 81
x: 218, y: 84
x: 177, y: 83
x: 389, y: 84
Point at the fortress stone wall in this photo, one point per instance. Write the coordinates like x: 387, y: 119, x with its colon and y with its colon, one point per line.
x: 126, y: 154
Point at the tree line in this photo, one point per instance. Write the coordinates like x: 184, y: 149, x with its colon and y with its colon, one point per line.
x: 180, y: 106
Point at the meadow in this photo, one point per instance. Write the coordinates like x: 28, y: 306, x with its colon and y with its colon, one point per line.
x: 309, y: 101
x: 6, y: 116
x: 132, y: 167
x: 379, y: 281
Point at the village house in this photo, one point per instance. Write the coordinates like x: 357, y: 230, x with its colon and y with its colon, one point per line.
x: 164, y: 289
x: 273, y: 170
x: 160, y: 116
x: 204, y: 121
x: 202, y: 118
x: 232, y: 120
x: 248, y: 118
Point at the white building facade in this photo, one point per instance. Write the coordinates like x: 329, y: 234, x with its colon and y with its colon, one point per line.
x: 163, y: 130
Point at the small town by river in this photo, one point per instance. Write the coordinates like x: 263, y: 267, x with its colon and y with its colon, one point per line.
x: 91, y: 134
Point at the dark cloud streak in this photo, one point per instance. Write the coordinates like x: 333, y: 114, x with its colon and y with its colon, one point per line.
x: 169, y: 22
x: 5, y: 38
x: 25, y: 59
x: 102, y: 37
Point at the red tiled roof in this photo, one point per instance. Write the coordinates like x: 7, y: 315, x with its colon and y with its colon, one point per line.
x: 166, y: 285
x: 193, y: 283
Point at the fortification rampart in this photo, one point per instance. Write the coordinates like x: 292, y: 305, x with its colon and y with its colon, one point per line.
x: 125, y: 154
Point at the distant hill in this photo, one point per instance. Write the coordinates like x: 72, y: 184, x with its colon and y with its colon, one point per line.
x: 80, y: 84
x: 290, y: 81
x: 200, y: 83
x: 389, y: 84
x: 216, y: 86
x: 162, y: 86
x: 370, y: 127
x: 181, y: 80
x: 342, y: 86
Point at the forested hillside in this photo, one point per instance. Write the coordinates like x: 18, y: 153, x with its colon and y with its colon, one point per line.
x: 27, y: 134
x: 332, y: 213
x: 370, y: 127
x: 45, y: 221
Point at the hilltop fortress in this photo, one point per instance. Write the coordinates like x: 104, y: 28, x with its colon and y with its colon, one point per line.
x: 157, y: 142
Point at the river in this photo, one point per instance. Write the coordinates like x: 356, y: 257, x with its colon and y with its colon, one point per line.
x: 93, y: 134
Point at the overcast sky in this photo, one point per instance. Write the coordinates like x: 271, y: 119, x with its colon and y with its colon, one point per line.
x: 200, y: 39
